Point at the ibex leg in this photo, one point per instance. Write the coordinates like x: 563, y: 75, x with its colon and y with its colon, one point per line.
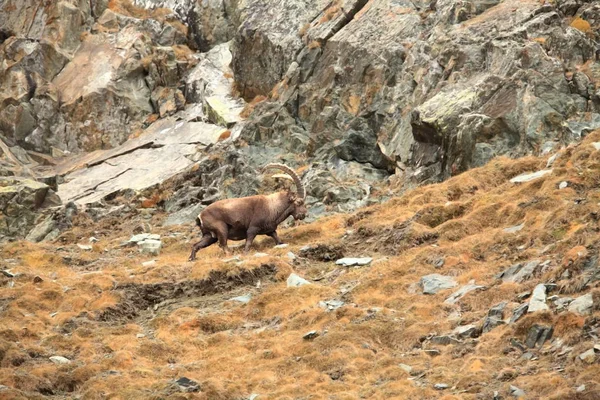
x: 275, y: 237
x: 206, y: 241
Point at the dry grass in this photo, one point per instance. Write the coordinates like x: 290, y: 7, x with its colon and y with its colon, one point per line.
x: 249, y: 108
x: 581, y: 24
x: 235, y: 349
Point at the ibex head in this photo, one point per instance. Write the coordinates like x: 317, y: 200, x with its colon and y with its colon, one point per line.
x: 296, y: 199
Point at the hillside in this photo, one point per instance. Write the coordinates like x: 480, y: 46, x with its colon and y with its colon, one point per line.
x: 450, y: 154
x: 130, y: 328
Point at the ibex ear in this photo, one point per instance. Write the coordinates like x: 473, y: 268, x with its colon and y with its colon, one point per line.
x: 292, y: 196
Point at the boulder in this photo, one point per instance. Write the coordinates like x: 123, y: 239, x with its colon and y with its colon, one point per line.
x: 296, y: 281
x: 538, y: 335
x: 434, y: 283
x: 20, y: 200
x: 538, y: 299
x: 495, y: 317
x: 527, y: 177
x: 582, y: 305
x: 456, y: 296
x: 60, y: 360
x: 349, y: 262
x: 465, y: 331
x: 519, y: 272
x: 519, y: 312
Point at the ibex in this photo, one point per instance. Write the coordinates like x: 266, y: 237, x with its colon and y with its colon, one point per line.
x: 247, y: 217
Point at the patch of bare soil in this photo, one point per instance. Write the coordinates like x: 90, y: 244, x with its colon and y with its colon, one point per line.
x: 139, y: 298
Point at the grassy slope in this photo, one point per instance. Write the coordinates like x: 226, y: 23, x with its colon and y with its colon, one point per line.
x: 233, y: 350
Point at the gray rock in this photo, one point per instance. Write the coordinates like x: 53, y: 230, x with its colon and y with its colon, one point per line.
x: 187, y: 385
x: 331, y: 305
x: 527, y: 177
x: 516, y: 392
x: 582, y: 305
x: 60, y: 360
x: 41, y: 230
x: 86, y: 247
x: 495, y: 317
x: 444, y: 340
x: 528, y: 356
x: 406, y: 368
x: 551, y: 160
x: 562, y: 302
x: 295, y: 281
x: 516, y: 343
x: 514, y: 229
x: 349, y: 262
x: 518, y: 313
x: 291, y: 256
x: 432, y: 352
x: 588, y: 357
x: 282, y: 246
x: 580, y: 389
x: 142, y: 237
x: 259, y: 255
x: 242, y: 299
x: 150, y: 246
x: 519, y: 272
x: 20, y: 199
x: 465, y: 331
x: 186, y: 215
x: 563, y: 185
x: 161, y: 153
x: 310, y: 335
x: 538, y: 299
x: 456, y: 296
x: 7, y: 273
x: 538, y: 335
x: 434, y: 283
x: 441, y: 386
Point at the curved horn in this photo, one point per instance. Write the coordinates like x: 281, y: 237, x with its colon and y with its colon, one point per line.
x: 292, y: 173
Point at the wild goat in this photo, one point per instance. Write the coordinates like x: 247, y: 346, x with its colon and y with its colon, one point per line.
x: 247, y: 217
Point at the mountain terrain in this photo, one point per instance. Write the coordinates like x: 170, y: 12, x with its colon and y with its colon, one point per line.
x: 450, y: 152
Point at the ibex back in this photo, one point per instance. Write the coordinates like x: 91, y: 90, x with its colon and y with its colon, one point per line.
x: 247, y: 217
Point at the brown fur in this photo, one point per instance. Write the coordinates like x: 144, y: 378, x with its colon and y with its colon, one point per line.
x: 247, y: 217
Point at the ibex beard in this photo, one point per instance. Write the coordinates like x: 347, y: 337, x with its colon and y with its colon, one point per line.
x: 247, y: 217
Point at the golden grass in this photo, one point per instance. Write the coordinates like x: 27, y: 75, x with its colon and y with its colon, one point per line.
x: 581, y: 24
x: 234, y: 349
x: 248, y: 108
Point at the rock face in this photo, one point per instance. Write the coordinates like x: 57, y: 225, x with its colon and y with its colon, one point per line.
x: 582, y: 305
x: 444, y: 87
x: 78, y: 76
x: 438, y: 90
x: 166, y: 149
x: 20, y: 199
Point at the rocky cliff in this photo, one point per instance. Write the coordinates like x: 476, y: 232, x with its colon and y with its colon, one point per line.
x: 451, y: 155
x: 364, y: 93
